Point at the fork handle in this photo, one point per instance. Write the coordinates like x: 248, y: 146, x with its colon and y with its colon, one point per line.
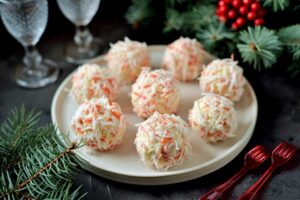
x: 219, y: 191
x: 252, y: 191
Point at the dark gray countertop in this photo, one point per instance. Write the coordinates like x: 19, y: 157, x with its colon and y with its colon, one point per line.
x: 278, y: 119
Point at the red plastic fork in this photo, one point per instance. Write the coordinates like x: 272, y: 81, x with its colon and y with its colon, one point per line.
x: 280, y: 155
x: 254, y: 158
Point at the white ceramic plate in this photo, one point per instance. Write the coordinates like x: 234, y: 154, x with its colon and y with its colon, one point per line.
x: 123, y: 163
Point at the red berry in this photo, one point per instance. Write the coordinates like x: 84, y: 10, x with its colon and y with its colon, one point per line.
x: 236, y: 3
x: 240, y: 21
x: 234, y: 26
x: 251, y: 16
x: 243, y: 10
x: 259, y: 22
x: 247, y: 2
x: 255, y: 6
x: 223, y: 9
x: 221, y: 3
x: 261, y: 13
x: 232, y: 14
x: 228, y: 1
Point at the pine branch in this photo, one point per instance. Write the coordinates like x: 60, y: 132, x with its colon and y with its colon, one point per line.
x: 190, y: 21
x: 139, y: 13
x: 276, y: 5
x: 46, y: 167
x: 259, y: 46
x: 290, y: 36
x: 294, y: 69
x: 15, y: 134
x: 216, y: 35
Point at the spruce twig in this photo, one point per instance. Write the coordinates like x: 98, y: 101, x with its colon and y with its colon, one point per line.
x: 45, y: 168
x: 259, y: 46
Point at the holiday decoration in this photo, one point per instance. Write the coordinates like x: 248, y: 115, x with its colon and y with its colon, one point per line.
x: 240, y: 13
x: 251, y: 29
x: 34, y: 164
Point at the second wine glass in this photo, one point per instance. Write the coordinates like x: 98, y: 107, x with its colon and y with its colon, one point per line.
x: 80, y: 13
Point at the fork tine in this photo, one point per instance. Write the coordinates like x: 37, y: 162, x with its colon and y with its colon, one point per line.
x: 256, y: 153
x: 287, y: 151
x: 263, y: 154
x: 291, y: 154
x: 255, y: 149
x: 279, y: 147
x: 264, y: 157
x: 282, y: 150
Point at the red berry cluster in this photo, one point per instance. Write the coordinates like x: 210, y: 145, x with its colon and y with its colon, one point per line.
x: 238, y: 13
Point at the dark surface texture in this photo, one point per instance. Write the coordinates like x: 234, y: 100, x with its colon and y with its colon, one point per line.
x: 278, y: 116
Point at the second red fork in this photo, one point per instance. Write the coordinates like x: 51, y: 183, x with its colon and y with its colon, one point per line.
x: 253, y: 159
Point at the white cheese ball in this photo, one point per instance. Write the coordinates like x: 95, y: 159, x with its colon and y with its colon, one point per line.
x: 125, y: 59
x: 223, y: 77
x: 213, y: 117
x: 162, y: 141
x: 100, y: 124
x: 154, y: 91
x: 184, y: 59
x: 92, y: 81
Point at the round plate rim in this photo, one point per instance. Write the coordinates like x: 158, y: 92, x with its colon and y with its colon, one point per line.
x: 192, y: 171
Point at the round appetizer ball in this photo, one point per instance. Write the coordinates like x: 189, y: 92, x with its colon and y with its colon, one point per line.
x: 184, y: 59
x: 126, y: 58
x: 213, y: 117
x: 154, y: 91
x: 223, y: 77
x: 162, y: 141
x: 100, y: 124
x: 92, y: 81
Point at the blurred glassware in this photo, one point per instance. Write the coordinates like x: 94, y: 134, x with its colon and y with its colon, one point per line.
x: 80, y: 13
x: 26, y: 21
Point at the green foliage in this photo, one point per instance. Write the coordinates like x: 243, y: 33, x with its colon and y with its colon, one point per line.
x: 139, y: 13
x: 193, y: 19
x: 290, y: 36
x: 276, y: 5
x: 36, y: 165
x: 216, y: 35
x: 259, y: 46
x: 16, y: 130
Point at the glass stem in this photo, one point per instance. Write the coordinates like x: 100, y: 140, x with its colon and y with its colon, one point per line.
x: 83, y: 38
x: 32, y: 58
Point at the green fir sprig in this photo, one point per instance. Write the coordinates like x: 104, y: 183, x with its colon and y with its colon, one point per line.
x: 276, y: 5
x: 259, y: 46
x: 216, y: 35
x: 139, y: 13
x: 36, y: 165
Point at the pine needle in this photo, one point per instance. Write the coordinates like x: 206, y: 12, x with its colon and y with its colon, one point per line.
x: 277, y: 5
x: 259, y: 46
x: 139, y: 13
x: 214, y: 36
x: 44, y: 169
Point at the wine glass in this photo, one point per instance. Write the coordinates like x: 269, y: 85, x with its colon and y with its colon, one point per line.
x: 80, y: 13
x: 26, y: 21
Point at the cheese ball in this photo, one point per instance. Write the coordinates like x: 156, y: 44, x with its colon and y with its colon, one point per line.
x: 184, y: 59
x: 92, y: 81
x: 162, y: 141
x: 213, y: 117
x: 125, y: 59
x: 223, y: 77
x: 100, y: 124
x: 154, y: 91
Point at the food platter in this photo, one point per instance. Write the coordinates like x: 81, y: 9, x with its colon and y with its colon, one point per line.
x: 123, y: 164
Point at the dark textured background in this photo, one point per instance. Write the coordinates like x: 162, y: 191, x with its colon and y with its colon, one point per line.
x: 278, y: 118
